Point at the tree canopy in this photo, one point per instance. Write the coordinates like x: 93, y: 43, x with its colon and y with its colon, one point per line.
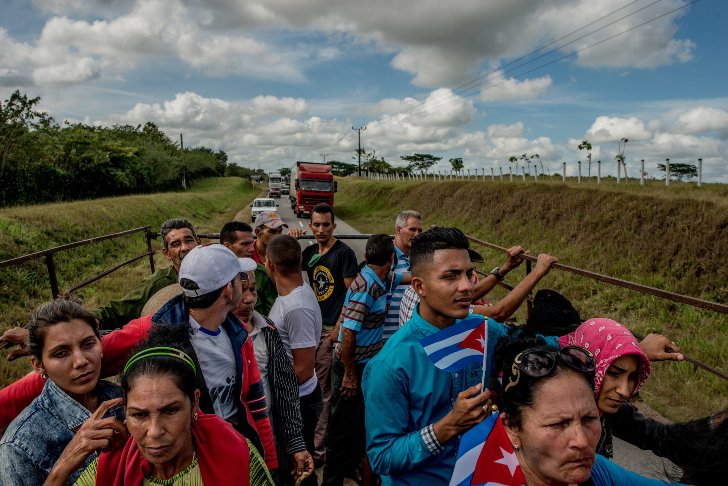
x: 41, y: 161
x: 457, y: 164
x: 679, y: 171
x: 420, y: 162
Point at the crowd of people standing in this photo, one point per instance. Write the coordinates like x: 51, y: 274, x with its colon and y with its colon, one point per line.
x: 235, y: 369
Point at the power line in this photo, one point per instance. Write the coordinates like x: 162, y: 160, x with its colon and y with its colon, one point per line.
x: 476, y: 83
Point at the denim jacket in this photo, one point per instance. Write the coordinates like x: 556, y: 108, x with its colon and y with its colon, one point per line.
x: 36, y: 438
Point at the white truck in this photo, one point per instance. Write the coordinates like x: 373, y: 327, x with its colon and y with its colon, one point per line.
x: 275, y: 183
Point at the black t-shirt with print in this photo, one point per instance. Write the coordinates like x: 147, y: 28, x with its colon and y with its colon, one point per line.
x: 326, y: 277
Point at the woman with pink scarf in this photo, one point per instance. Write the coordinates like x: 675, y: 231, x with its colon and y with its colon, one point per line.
x: 698, y: 446
x: 621, y: 369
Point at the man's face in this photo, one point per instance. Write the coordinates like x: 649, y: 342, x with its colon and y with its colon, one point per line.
x: 237, y: 292
x: 249, y: 299
x: 243, y: 244
x: 179, y: 243
x: 265, y: 234
x: 446, y: 284
x: 322, y: 227
x: 404, y: 234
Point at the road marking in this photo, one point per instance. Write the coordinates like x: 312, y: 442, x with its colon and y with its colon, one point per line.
x: 300, y: 224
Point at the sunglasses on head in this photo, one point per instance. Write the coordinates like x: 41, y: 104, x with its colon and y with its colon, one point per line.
x: 540, y: 362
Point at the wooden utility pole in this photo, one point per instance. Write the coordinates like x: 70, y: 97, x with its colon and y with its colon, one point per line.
x: 358, y: 130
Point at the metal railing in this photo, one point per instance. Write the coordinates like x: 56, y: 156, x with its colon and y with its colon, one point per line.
x: 48, y: 254
x: 48, y: 258
x: 645, y: 289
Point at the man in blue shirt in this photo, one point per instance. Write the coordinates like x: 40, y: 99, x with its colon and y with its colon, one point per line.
x: 407, y: 225
x: 360, y: 335
x: 416, y: 412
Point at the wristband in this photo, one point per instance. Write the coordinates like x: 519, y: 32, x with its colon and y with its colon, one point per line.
x: 496, y: 273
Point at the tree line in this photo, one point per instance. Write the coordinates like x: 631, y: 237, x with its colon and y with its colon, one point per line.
x: 42, y: 161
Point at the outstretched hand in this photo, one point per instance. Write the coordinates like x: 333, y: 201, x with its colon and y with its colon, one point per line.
x: 659, y: 348
x: 544, y: 263
x: 296, y: 232
x: 15, y: 336
x: 515, y: 258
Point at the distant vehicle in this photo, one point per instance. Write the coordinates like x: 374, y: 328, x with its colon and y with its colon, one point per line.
x: 311, y: 183
x: 275, y: 182
x: 261, y: 205
x: 286, y: 184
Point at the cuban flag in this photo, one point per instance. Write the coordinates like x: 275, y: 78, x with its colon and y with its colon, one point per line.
x: 486, y: 457
x: 458, y: 346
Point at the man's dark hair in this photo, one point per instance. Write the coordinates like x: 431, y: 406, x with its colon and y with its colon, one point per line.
x: 323, y: 208
x: 227, y: 233
x: 379, y: 249
x: 428, y: 242
x: 285, y: 253
x: 173, y: 224
x: 203, y: 301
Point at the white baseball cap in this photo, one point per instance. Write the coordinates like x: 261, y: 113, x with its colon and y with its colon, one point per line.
x: 207, y: 268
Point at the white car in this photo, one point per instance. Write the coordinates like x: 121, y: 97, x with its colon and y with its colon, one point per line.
x: 261, y: 205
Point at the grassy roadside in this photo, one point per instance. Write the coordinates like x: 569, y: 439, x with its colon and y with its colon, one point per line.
x: 672, y: 238
x: 23, y: 230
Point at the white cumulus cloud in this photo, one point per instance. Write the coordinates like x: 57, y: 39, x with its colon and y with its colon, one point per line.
x: 499, y: 88
x: 610, y: 129
x: 703, y: 119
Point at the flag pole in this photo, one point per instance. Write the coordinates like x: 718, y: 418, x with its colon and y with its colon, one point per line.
x: 485, y: 356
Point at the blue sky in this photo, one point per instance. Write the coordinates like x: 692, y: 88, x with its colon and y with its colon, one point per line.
x: 274, y: 81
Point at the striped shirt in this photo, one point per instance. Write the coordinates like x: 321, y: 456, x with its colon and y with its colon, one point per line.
x: 391, y: 323
x: 364, y: 311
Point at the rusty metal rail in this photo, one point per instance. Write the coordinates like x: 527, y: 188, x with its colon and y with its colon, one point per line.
x: 665, y: 294
x: 704, y: 304
x: 49, y: 253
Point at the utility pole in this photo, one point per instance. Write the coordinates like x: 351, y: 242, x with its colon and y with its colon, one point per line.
x: 184, y: 166
x: 324, y: 156
x: 358, y: 130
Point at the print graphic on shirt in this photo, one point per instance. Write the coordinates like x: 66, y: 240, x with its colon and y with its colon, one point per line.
x: 323, y: 283
x: 224, y: 393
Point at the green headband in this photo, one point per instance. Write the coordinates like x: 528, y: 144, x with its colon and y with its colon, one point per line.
x: 160, y: 351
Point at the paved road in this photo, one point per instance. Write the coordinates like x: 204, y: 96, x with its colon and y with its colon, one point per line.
x: 626, y: 455
x: 286, y: 213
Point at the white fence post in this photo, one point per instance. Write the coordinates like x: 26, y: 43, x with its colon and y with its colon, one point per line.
x: 700, y: 172
x: 619, y: 171
x: 642, y: 173
x: 492, y: 174
x: 667, y: 172
x: 563, y: 174
x: 500, y: 169
x: 510, y: 173
x: 599, y: 171
x: 578, y: 178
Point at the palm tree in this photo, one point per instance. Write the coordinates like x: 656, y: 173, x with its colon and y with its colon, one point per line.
x: 585, y: 145
x: 538, y: 158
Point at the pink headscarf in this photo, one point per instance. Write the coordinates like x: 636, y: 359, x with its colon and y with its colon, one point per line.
x: 608, y: 341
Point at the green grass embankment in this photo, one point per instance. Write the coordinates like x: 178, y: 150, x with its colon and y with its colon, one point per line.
x: 671, y: 238
x: 209, y: 204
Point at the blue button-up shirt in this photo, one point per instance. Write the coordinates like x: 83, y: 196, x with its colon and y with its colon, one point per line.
x: 36, y: 438
x: 405, y: 394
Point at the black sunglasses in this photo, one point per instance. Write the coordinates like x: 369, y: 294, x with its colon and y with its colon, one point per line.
x: 540, y: 362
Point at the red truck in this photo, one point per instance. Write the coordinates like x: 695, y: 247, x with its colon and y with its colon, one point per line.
x: 311, y: 183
